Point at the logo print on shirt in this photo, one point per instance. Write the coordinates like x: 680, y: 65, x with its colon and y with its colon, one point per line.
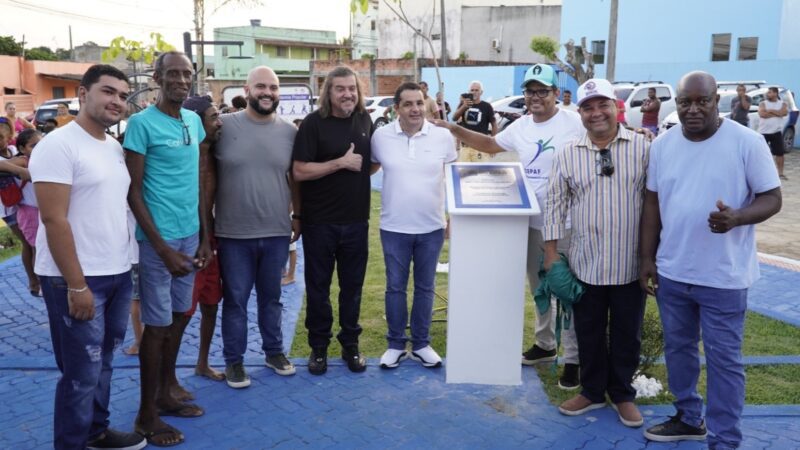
x: 542, y: 146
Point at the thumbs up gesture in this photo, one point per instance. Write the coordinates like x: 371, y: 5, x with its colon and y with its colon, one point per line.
x: 351, y: 160
x: 722, y: 220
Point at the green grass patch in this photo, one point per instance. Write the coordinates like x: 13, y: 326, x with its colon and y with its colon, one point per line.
x: 766, y: 385
x: 9, y: 244
x: 778, y: 384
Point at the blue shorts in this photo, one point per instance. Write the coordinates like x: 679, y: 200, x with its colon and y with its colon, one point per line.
x: 11, y: 219
x: 161, y: 293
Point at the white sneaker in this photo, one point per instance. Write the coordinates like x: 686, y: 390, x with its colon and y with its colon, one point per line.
x: 427, y: 356
x: 391, y: 358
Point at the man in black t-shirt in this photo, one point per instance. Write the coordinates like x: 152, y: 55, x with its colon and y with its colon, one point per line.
x: 475, y: 114
x: 332, y: 163
x: 740, y: 106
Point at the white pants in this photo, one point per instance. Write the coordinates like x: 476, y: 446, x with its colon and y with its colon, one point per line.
x: 545, y: 328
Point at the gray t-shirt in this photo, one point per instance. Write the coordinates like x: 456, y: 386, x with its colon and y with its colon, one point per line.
x: 253, y: 160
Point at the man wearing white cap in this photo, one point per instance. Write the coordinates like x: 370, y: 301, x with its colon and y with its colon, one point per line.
x: 537, y: 137
x: 599, y: 181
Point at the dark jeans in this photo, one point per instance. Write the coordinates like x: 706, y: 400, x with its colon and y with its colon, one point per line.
x: 345, y: 246
x: 609, y: 359
x: 84, y: 350
x: 244, y: 263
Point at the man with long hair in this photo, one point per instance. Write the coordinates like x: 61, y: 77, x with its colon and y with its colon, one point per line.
x: 332, y: 163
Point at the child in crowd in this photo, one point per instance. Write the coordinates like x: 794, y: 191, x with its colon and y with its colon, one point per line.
x: 23, y: 218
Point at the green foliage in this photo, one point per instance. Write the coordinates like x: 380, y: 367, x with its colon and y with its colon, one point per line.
x: 9, y: 46
x: 136, y: 50
x: 40, y: 54
x: 463, y: 56
x: 652, y: 341
x: 356, y: 5
x: 9, y: 244
x: 408, y: 55
x: 367, y: 56
x: 545, y: 46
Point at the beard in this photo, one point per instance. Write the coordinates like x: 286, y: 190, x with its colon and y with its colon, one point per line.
x: 254, y: 103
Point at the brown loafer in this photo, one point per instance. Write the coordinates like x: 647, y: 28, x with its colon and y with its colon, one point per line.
x: 578, y: 405
x: 628, y: 414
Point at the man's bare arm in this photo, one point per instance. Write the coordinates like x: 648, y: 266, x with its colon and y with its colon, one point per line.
x: 53, y: 201
x: 306, y: 171
x: 478, y: 141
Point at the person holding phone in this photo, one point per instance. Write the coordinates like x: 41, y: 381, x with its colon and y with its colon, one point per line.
x: 476, y: 114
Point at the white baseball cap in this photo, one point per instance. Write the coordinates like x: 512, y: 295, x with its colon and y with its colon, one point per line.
x: 596, y: 87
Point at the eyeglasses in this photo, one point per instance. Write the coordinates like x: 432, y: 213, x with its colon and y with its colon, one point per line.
x: 187, y: 137
x: 605, y: 165
x: 541, y: 93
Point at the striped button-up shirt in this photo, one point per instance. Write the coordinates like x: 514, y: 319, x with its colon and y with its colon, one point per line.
x: 605, y: 210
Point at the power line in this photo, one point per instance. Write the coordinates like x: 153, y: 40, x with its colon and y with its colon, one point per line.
x: 55, y: 12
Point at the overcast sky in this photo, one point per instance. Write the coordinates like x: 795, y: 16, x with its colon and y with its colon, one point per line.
x: 46, y: 22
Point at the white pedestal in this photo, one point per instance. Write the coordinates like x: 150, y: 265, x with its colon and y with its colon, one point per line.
x: 486, y: 299
x: 485, y: 312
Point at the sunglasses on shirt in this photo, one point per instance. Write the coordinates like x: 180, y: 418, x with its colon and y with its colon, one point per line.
x: 605, y: 165
x: 187, y: 137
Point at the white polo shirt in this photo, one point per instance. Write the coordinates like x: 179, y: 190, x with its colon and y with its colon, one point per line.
x: 412, y: 200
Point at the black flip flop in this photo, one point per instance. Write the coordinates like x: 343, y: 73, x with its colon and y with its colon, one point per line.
x: 186, y: 410
x: 162, y: 431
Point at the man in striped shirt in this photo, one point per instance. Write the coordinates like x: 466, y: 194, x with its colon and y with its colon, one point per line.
x: 599, y: 180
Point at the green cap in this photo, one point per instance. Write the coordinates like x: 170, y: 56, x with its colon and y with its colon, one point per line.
x: 543, y: 73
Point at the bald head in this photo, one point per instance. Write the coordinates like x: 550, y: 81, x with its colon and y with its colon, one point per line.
x: 262, y: 91
x: 260, y: 72
x: 698, y: 81
x: 697, y: 105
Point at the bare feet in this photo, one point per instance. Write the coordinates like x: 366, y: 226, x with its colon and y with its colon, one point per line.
x: 209, y: 372
x: 287, y: 281
x: 132, y: 350
x: 180, y: 394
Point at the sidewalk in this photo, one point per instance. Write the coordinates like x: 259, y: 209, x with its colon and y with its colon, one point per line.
x: 410, y: 407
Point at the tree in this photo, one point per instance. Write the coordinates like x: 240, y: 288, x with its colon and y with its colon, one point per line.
x: 136, y: 51
x: 398, y: 11
x: 10, y: 46
x: 548, y: 47
x: 40, y: 54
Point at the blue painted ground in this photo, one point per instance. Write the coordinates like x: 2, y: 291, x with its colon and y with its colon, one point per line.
x: 410, y: 407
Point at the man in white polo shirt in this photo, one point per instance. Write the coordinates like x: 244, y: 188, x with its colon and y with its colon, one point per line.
x: 412, y: 153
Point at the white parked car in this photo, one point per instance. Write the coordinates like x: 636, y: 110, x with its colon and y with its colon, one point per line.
x: 376, y: 106
x: 633, y: 95
x: 756, y: 95
x: 506, y: 108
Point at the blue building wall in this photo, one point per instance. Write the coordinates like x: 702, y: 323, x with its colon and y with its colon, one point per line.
x: 664, y: 39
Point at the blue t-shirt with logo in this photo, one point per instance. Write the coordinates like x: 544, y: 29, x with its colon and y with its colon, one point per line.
x: 171, y: 188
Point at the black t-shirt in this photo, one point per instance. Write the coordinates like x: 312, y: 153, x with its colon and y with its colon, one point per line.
x: 343, y: 196
x: 738, y: 113
x: 478, y: 117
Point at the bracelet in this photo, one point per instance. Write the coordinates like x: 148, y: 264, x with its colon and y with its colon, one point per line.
x: 297, y: 217
x: 78, y: 291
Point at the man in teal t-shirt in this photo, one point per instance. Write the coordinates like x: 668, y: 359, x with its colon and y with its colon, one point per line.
x: 163, y: 157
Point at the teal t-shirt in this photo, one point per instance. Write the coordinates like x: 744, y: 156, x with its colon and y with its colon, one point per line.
x: 171, y: 187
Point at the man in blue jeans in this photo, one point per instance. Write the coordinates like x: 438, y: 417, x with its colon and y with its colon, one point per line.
x: 162, y: 146
x: 332, y: 161
x: 708, y: 182
x: 412, y: 153
x: 252, y: 161
x: 83, y: 259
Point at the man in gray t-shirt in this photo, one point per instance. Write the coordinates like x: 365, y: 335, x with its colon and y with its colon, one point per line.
x: 253, y: 161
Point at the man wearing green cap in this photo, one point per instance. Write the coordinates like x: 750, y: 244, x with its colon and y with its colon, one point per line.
x: 536, y: 137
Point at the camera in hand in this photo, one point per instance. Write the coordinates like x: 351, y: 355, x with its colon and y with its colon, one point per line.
x: 467, y: 96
